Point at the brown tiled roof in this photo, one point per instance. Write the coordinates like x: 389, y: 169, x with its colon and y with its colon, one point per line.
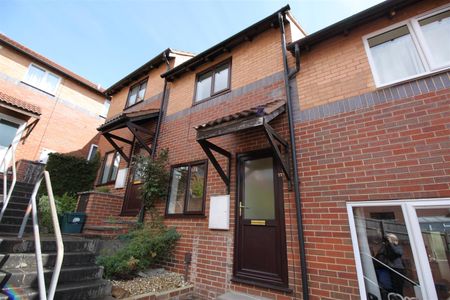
x: 125, y: 116
x: 261, y: 110
x: 44, y: 60
x: 17, y: 103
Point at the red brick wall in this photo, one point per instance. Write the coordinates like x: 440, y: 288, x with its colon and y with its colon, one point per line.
x: 396, y: 150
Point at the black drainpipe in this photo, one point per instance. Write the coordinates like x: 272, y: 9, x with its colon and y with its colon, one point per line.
x: 158, y: 127
x: 296, y: 184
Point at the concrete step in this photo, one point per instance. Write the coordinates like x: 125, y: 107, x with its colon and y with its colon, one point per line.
x: 15, y: 220
x: 13, y: 228
x: 15, y: 245
x: 28, y: 260
x: 13, y: 212
x: 82, y: 290
x: 15, y: 205
x: 239, y: 296
x: 27, y: 277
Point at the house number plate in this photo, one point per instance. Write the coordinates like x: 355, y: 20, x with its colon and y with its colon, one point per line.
x: 258, y: 222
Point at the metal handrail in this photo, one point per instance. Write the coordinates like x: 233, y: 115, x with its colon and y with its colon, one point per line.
x: 8, y: 193
x: 32, y: 208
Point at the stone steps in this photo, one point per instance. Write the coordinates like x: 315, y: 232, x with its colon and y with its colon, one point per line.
x: 25, y: 260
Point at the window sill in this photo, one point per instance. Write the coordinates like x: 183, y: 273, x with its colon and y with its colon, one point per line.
x: 39, y: 89
x: 211, y: 97
x: 412, y: 78
x: 127, y: 107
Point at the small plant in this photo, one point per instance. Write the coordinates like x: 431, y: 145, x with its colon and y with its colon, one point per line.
x: 64, y: 203
x: 103, y: 189
x: 155, y: 177
x: 151, y: 244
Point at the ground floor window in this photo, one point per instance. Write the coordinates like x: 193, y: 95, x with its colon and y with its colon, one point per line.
x: 110, y: 167
x: 187, y: 189
x: 402, y: 249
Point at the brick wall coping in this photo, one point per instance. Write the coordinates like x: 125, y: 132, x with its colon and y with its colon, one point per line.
x: 405, y: 90
x: 223, y: 98
x: 100, y: 193
x: 163, y: 295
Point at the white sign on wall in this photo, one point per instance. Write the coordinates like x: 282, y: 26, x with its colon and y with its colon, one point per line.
x: 219, y: 212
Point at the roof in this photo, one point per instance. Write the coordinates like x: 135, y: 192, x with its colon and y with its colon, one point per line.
x: 20, y: 104
x: 132, y: 116
x: 382, y: 9
x: 225, y: 46
x: 248, y: 118
x: 144, y: 69
x: 50, y: 64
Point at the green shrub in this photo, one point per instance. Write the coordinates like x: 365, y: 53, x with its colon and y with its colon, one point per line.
x: 103, y: 189
x: 64, y: 203
x: 151, y: 244
x: 70, y: 174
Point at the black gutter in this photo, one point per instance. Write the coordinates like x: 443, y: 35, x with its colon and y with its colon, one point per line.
x: 296, y: 182
x: 386, y: 8
x: 225, y: 46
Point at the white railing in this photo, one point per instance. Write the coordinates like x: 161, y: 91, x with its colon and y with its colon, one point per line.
x: 33, y: 209
x: 6, y: 161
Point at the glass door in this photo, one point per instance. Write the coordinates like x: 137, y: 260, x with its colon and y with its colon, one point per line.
x: 402, y: 249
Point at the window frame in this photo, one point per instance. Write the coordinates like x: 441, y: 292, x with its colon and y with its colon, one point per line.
x: 52, y: 93
x: 213, y: 70
x: 205, y: 181
x: 109, y: 179
x: 418, y: 41
x: 139, y: 83
x: 408, y: 207
x: 90, y: 152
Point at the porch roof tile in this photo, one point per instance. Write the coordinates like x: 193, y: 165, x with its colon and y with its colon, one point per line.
x: 20, y: 104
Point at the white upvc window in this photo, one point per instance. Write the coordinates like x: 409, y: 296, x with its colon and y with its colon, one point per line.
x: 42, y: 79
x: 92, y: 152
x: 402, y: 248
x: 416, y: 47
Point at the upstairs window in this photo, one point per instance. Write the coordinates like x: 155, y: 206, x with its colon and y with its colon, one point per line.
x: 187, y: 189
x: 92, y: 152
x: 416, y: 47
x: 42, y: 79
x: 212, y: 82
x: 110, y: 167
x: 137, y: 93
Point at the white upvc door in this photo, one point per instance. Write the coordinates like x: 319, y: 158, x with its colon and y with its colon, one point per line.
x: 422, y: 228
x: 11, y: 130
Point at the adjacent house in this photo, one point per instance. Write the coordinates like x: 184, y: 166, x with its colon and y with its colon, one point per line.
x: 302, y: 166
x: 45, y: 108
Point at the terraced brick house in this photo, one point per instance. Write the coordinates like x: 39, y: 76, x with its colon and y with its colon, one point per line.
x: 297, y: 161
x: 40, y: 103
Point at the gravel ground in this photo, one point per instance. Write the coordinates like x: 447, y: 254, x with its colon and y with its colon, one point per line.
x: 156, y: 283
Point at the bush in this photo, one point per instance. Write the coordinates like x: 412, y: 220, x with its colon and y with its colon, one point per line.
x: 151, y: 244
x: 70, y: 174
x: 64, y: 203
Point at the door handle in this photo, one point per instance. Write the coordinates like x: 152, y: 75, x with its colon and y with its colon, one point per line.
x: 241, y: 206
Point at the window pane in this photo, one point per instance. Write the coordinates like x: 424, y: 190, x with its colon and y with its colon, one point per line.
x: 196, y: 188
x: 141, y: 93
x: 435, y: 227
x: 394, y: 55
x: 133, y: 95
x: 203, y: 86
x: 436, y: 30
x: 107, y: 167
x: 221, y: 78
x: 50, y: 83
x: 35, y: 76
x: 93, y: 152
x: 115, y: 166
x: 7, y: 132
x: 386, y: 256
x: 178, y: 190
x: 259, y: 195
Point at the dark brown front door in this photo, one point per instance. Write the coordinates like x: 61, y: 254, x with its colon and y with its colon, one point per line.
x: 133, y: 201
x: 260, y: 256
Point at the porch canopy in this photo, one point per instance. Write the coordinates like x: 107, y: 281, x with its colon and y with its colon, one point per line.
x: 24, y: 108
x: 255, y: 117
x: 133, y: 121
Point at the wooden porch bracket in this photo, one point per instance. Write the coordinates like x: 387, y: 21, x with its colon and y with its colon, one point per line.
x: 273, y: 138
x: 207, y: 147
x: 29, y: 129
x: 116, y: 147
x: 135, y: 129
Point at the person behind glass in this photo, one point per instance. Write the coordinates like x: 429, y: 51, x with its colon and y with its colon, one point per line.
x: 393, y: 253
